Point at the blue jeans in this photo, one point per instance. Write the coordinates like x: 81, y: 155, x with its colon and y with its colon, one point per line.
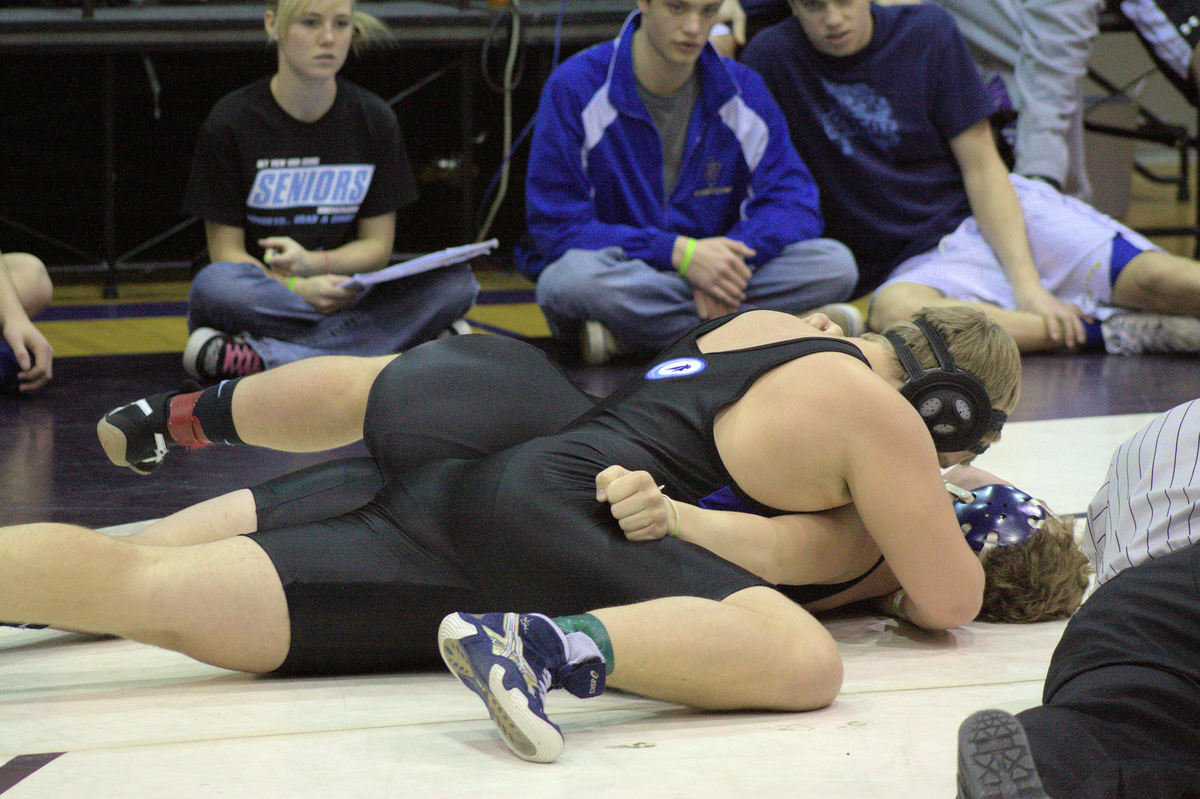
x: 238, y: 298
x: 646, y: 309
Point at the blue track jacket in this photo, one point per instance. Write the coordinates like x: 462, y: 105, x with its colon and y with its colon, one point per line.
x: 595, y: 175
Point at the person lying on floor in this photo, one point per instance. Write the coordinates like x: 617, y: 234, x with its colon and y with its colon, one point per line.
x: 364, y: 565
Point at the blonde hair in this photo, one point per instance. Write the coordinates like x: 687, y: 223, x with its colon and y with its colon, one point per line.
x: 368, y: 30
x: 977, y: 344
x: 1040, y: 580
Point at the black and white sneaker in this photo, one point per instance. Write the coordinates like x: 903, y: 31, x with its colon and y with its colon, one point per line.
x: 135, y: 435
x: 994, y: 759
x: 211, y: 356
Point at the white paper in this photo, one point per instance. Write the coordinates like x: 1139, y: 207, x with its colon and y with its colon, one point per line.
x: 424, y: 263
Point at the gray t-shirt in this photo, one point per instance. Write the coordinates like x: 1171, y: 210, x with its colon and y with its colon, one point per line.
x: 671, y: 114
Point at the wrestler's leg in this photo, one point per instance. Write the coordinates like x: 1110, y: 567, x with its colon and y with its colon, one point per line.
x: 306, y: 406
x: 322, y: 403
x: 317, y: 492
x: 221, y: 603
x: 754, y: 649
x: 211, y: 520
x: 457, y: 398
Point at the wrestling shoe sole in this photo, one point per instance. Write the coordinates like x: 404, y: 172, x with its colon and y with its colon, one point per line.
x: 116, y: 447
x: 528, y: 735
x: 994, y: 759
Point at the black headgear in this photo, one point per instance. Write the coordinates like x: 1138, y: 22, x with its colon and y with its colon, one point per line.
x: 954, y: 404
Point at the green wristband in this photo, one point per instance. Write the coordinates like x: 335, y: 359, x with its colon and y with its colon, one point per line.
x: 291, y: 284
x: 671, y: 503
x: 687, y: 257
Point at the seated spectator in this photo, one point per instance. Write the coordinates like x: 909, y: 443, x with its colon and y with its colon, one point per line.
x: 26, y: 358
x: 298, y: 178
x: 898, y: 139
x: 663, y: 190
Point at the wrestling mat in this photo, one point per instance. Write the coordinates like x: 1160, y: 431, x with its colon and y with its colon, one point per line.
x: 82, y: 716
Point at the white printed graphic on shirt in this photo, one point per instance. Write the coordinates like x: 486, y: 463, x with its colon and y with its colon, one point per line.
x: 334, y: 188
x: 861, y: 112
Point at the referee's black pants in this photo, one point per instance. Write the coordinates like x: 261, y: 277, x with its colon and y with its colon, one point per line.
x: 1121, y: 703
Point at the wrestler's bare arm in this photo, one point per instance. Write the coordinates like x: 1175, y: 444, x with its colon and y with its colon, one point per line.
x: 892, y: 472
x: 823, y: 433
x: 792, y: 549
x: 972, y: 477
x: 826, y: 432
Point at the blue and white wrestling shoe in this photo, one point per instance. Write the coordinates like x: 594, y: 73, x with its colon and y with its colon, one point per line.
x: 994, y: 759
x: 511, y: 660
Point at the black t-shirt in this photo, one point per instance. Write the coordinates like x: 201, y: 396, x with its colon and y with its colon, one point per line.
x: 270, y: 174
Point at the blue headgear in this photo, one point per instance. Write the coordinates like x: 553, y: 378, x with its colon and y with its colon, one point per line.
x: 999, y: 516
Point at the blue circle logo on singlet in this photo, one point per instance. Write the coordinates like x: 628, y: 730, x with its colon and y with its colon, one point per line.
x: 677, y: 367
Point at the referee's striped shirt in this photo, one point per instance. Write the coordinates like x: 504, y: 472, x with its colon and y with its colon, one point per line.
x: 1147, y: 506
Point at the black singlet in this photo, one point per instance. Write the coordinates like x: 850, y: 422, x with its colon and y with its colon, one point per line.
x: 520, y: 529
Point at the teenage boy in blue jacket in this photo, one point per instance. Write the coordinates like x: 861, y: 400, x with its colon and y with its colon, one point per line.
x: 663, y: 190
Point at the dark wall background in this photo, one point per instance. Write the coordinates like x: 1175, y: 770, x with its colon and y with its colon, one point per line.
x: 52, y: 132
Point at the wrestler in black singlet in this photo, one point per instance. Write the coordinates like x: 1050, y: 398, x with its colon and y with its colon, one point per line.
x: 520, y: 528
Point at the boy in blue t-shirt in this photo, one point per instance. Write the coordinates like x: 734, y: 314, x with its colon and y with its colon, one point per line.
x: 890, y: 116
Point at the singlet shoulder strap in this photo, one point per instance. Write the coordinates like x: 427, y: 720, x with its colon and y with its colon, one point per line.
x: 799, y: 347
x: 794, y: 348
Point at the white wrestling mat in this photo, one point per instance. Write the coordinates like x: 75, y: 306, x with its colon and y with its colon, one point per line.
x: 132, y: 721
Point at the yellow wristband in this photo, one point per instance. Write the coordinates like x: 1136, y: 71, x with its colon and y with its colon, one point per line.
x: 897, y: 601
x: 291, y: 284
x: 687, y: 257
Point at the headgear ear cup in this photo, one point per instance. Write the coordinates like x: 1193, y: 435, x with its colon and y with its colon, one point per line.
x: 953, y: 404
